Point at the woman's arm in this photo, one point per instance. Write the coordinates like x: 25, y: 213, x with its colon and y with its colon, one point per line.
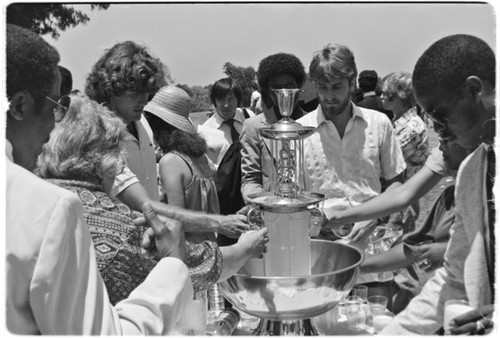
x: 175, y: 174
x: 395, y: 258
x: 389, y: 201
x: 251, y: 244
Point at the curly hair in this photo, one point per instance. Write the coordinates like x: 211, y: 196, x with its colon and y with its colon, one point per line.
x: 85, y: 144
x: 223, y: 87
x: 31, y: 62
x: 125, y: 66
x: 169, y: 138
x: 398, y: 84
x: 331, y: 62
x: 448, y: 62
x: 275, y: 65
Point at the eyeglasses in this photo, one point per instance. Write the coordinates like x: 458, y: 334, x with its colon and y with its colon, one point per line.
x: 445, y: 139
x: 441, y: 120
x: 61, y: 107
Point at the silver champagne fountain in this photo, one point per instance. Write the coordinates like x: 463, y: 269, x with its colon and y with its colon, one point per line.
x: 298, y: 278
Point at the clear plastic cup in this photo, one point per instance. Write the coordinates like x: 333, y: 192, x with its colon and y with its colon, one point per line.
x: 377, y: 304
x: 355, y: 312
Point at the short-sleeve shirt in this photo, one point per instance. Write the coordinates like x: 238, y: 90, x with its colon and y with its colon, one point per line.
x: 348, y: 169
x: 141, y: 161
x: 435, y: 162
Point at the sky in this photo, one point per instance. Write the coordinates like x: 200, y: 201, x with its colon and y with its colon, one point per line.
x: 196, y: 40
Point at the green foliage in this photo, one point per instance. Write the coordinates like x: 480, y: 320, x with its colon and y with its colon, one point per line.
x: 244, y: 76
x: 200, y: 96
x: 48, y: 18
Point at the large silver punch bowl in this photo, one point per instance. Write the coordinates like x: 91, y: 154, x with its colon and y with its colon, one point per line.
x: 335, y: 268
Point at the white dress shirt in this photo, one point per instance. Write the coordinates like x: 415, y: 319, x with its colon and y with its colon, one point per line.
x: 218, y: 135
x: 348, y: 169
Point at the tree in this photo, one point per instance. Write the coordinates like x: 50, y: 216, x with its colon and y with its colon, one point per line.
x: 48, y: 18
x: 244, y: 76
x: 199, y: 95
x: 201, y: 98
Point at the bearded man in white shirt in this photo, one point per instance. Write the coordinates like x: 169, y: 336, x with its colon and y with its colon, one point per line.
x: 352, y: 148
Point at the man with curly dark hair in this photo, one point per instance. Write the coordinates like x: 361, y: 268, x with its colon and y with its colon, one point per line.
x: 124, y: 79
x: 276, y: 71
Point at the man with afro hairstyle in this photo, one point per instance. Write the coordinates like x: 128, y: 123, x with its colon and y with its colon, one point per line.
x: 276, y: 71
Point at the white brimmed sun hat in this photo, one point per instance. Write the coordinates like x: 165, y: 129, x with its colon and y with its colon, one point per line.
x: 172, y: 105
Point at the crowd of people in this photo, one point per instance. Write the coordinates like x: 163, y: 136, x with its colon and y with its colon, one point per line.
x: 120, y: 210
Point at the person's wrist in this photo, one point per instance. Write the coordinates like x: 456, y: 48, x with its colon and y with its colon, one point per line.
x: 242, y: 246
x: 214, y: 223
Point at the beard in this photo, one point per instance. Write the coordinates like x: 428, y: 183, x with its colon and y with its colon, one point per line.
x: 332, y: 110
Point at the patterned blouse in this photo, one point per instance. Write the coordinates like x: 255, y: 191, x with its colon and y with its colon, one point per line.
x: 411, y: 132
x: 117, y: 243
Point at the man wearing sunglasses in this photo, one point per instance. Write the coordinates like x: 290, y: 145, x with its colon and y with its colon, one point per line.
x: 53, y: 284
x: 454, y: 82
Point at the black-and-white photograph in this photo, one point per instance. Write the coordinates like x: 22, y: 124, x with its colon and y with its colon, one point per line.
x: 249, y: 168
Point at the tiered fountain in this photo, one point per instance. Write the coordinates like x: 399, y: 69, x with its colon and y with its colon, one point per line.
x: 298, y: 278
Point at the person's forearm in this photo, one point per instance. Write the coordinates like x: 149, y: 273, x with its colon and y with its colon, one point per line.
x: 390, y: 260
x: 192, y: 221
x: 391, y: 201
x: 234, y: 257
x: 134, y: 196
x: 379, y: 206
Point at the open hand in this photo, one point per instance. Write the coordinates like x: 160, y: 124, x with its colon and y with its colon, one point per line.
x: 232, y: 225
x: 361, y: 231
x: 254, y: 242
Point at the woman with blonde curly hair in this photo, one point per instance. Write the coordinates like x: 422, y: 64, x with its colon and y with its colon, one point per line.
x: 411, y: 130
x: 83, y: 155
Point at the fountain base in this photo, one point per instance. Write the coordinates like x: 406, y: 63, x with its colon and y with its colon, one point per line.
x: 300, y: 327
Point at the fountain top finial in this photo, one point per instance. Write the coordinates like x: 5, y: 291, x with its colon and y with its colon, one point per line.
x: 286, y: 128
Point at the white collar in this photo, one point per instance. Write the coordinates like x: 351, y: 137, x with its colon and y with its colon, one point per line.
x: 372, y: 93
x: 238, y: 117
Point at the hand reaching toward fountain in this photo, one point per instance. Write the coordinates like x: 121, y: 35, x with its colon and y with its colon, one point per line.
x: 251, y: 244
x: 362, y: 230
x: 254, y: 242
x: 232, y: 225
